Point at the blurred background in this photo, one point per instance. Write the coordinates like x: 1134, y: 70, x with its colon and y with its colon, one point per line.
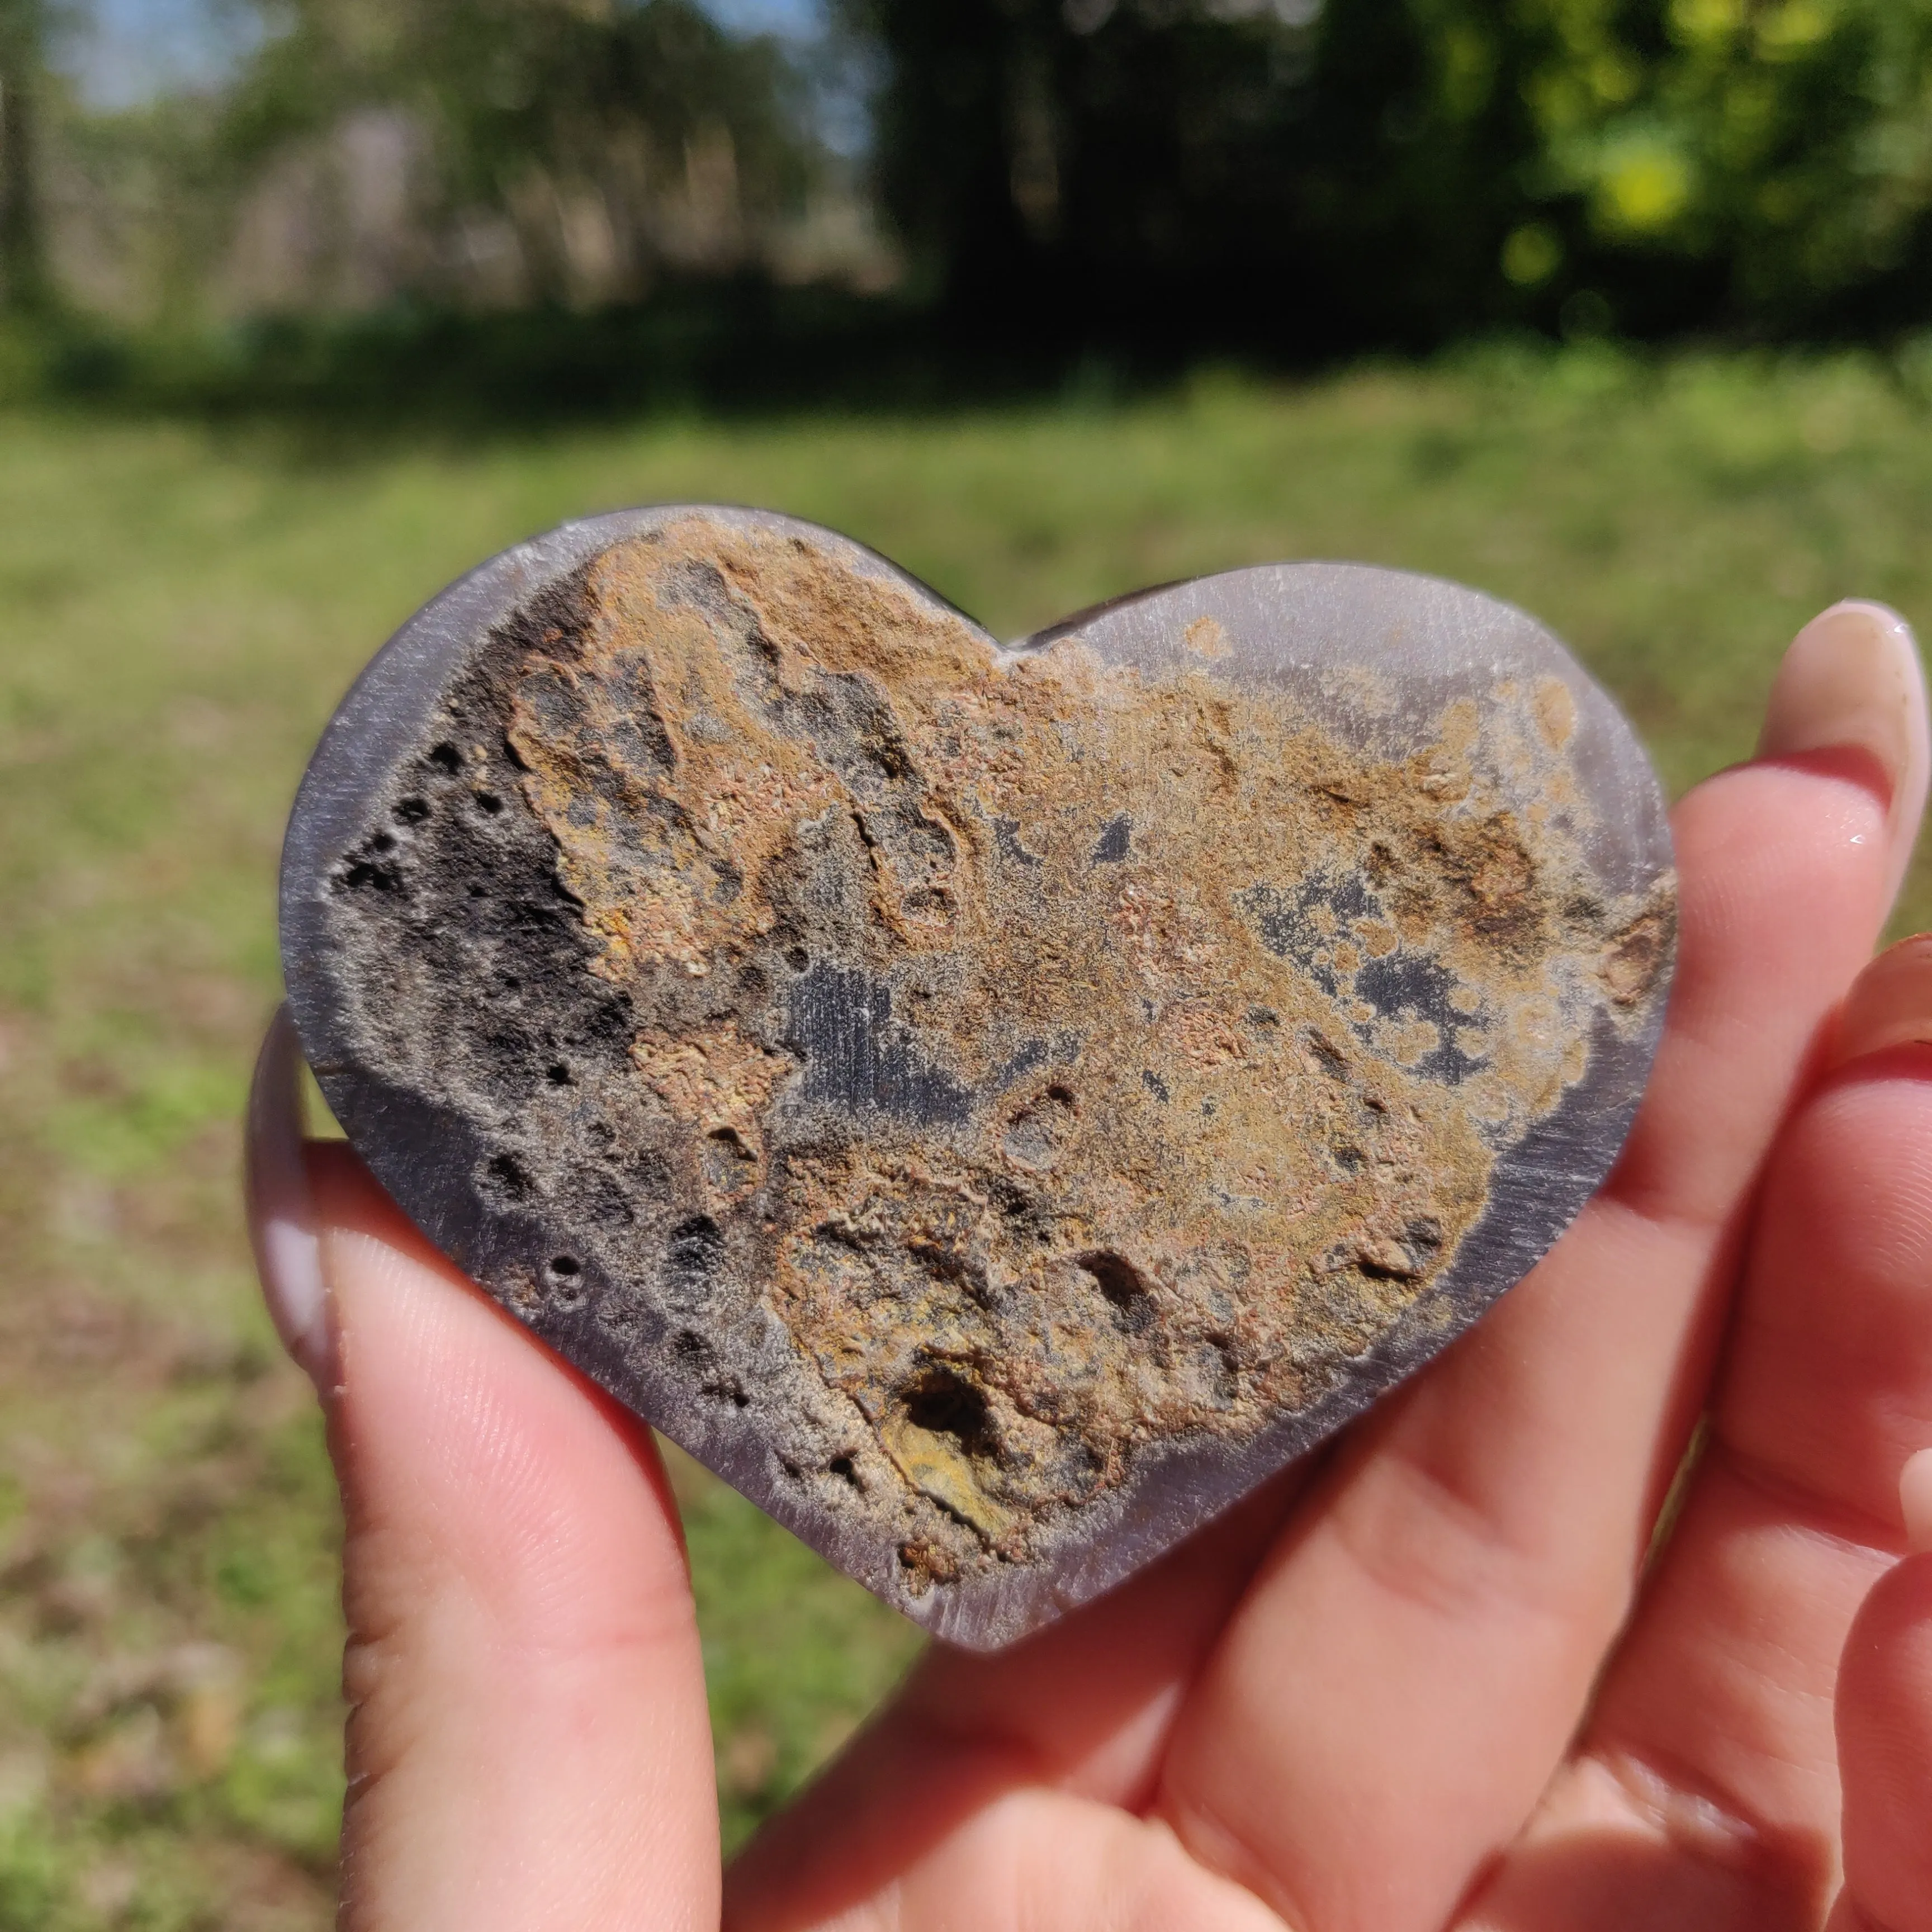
x: 1621, y: 309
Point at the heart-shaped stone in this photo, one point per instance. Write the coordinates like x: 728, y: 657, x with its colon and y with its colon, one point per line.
x: 993, y: 1106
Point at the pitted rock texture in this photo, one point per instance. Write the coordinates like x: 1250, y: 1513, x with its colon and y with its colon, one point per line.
x: 983, y: 1067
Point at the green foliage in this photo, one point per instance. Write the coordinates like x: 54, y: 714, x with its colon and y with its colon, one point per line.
x: 710, y: 342
x: 1780, y: 152
x: 181, y: 607
x: 30, y: 1877
x: 1312, y: 176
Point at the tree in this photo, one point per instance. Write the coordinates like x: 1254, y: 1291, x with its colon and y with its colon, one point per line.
x: 1192, y: 169
x: 23, y: 275
x: 532, y: 106
x: 1761, y: 162
x: 1309, y: 176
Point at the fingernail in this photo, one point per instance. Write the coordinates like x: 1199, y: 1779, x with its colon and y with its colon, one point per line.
x: 281, y: 1210
x: 1890, y: 1004
x: 1914, y: 1498
x: 1851, y: 677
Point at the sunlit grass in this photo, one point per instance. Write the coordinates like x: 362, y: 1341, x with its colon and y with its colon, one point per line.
x: 179, y: 611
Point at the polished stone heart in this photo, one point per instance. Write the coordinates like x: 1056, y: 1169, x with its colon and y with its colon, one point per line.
x: 993, y: 1106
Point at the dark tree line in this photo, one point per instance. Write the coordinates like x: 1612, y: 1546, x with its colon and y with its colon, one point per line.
x: 1311, y: 175
x: 1294, y: 175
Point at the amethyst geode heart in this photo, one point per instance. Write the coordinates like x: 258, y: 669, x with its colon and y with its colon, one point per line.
x: 993, y: 1106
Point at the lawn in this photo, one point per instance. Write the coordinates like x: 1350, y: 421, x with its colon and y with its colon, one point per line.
x: 179, y: 609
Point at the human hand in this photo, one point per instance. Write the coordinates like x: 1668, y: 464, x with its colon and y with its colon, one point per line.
x: 1426, y: 1679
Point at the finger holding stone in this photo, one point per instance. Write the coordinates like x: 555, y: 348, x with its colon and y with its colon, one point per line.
x: 528, y: 1743
x: 281, y: 1208
x: 1078, y: 1710
x: 1853, y: 677
x: 1402, y: 1679
x: 1887, y: 1005
x: 1706, y: 1790
x: 1885, y: 1735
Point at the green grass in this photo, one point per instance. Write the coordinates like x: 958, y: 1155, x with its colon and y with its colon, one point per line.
x: 179, y: 609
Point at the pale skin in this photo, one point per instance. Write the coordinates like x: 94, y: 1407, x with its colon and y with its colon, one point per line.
x: 1426, y: 1681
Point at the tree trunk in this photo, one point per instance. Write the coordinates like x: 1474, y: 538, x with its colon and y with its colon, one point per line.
x: 23, y: 275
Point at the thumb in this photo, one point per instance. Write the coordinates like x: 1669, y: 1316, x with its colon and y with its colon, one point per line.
x: 528, y: 1745
x: 1884, y: 1736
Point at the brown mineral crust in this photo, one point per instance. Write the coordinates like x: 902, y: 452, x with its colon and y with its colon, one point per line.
x: 1194, y: 1032
x: 1635, y: 957
x: 714, y: 1079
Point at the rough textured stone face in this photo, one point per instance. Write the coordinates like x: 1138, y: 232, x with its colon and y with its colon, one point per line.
x: 993, y: 1105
